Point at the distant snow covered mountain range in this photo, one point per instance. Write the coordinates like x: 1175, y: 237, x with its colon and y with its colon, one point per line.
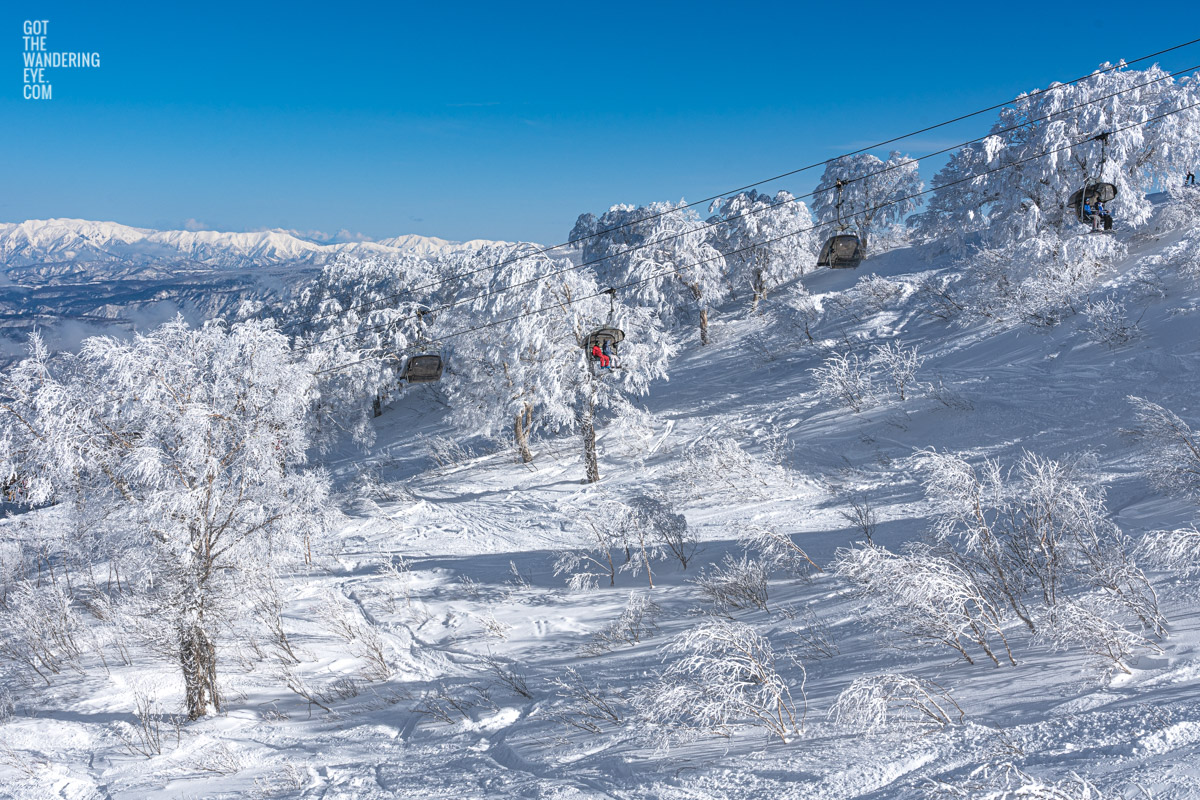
x: 75, y: 240
x: 71, y: 278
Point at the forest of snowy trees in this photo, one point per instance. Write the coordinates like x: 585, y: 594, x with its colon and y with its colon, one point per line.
x: 176, y: 474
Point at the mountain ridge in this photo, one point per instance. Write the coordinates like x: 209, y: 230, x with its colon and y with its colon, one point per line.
x: 63, y: 239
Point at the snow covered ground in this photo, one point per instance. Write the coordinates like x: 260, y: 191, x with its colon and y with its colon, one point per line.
x: 440, y: 655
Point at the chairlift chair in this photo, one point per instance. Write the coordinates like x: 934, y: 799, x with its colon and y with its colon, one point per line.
x: 423, y: 368
x: 841, y: 251
x: 1095, y: 190
x: 1090, y: 195
x: 607, y: 339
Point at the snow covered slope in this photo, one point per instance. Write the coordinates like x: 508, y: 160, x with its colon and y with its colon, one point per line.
x: 442, y: 655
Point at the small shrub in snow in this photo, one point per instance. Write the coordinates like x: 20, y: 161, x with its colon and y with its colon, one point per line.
x: 898, y: 365
x: 447, y: 452
x: 1092, y: 624
x: 289, y: 779
x: 451, y: 707
x: 800, y: 313
x: 637, y: 621
x: 846, y: 380
x: 734, y: 584
x: 493, y: 627
x: 1170, y: 449
x: 1107, y: 322
x: 1005, y: 781
x: 518, y: 581
x: 149, y: 735
x: 874, y: 292
x: 925, y: 596
x: 880, y: 701
x: 301, y: 688
x: 777, y: 550
x: 40, y: 629
x: 268, y: 608
x: 218, y: 759
x: 1036, y: 534
x: 1177, y: 550
x: 814, y: 639
x: 585, y: 705
x: 861, y: 515
x: 949, y: 396
x: 719, y: 674
x: 941, y: 297
x: 620, y: 536
x: 718, y: 460
x: 655, y: 519
x: 589, y: 558
x: 508, y: 675
x: 397, y: 573
x: 364, y: 640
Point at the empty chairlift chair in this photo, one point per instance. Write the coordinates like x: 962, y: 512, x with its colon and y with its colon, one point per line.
x: 423, y: 368
x: 841, y: 251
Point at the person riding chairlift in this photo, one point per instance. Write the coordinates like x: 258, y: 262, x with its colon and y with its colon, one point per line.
x: 601, y: 354
x: 1093, y: 214
x: 1105, y: 216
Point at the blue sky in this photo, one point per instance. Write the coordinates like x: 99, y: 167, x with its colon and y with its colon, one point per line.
x: 505, y: 120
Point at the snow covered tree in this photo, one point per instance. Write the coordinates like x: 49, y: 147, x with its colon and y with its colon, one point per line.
x: 356, y: 319
x: 1037, y: 537
x: 197, y: 439
x: 527, y: 369
x: 766, y: 241
x: 1015, y: 183
x: 663, y: 251
x: 1040, y: 280
x: 642, y: 529
x: 876, y: 194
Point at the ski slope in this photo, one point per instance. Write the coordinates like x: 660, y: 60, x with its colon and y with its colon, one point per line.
x: 438, y: 567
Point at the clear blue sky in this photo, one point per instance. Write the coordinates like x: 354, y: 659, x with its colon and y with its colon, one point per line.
x: 505, y: 120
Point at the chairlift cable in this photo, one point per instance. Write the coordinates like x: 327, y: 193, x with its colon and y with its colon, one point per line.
x: 705, y: 225
x: 491, y: 293
x: 543, y: 250
x: 747, y: 248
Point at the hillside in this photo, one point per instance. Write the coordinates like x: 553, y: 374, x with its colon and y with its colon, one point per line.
x: 440, y: 655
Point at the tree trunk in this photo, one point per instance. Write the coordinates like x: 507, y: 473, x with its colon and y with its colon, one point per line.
x: 377, y: 406
x: 588, y: 430
x: 198, y: 658
x: 521, y: 422
x: 759, y: 285
x: 704, y: 326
